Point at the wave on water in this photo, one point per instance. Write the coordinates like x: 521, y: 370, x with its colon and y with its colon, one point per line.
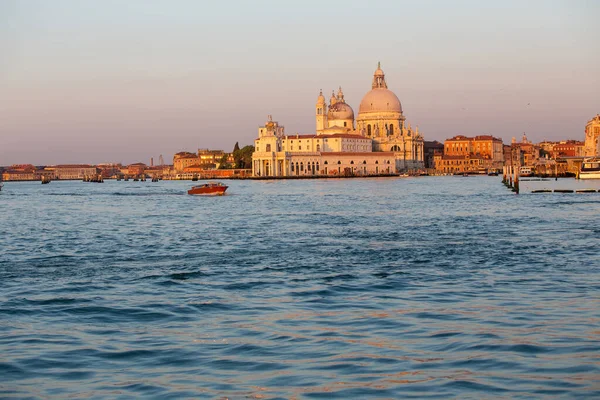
x: 387, y: 289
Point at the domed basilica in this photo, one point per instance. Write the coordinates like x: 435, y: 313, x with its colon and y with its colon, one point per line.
x: 380, y: 143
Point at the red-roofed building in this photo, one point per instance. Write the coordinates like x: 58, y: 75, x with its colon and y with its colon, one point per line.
x: 464, y: 154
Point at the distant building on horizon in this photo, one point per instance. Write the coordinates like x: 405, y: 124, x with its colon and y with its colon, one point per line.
x: 524, y: 153
x: 430, y: 149
x: 186, y: 162
x: 592, y: 137
x: 463, y: 154
x: 563, y: 148
x: 382, y: 142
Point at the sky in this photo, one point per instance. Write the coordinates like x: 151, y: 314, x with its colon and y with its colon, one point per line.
x: 87, y: 81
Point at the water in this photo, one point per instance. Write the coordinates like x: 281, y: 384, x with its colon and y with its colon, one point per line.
x: 435, y: 287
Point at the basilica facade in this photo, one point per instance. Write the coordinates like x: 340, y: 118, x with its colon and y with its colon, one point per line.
x: 380, y: 141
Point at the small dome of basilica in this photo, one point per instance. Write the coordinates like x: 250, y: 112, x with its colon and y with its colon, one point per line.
x: 340, y: 110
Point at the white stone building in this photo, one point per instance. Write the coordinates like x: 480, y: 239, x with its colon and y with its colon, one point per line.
x: 381, y: 143
x: 592, y: 137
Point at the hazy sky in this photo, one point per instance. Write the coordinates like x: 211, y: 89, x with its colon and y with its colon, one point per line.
x: 122, y: 81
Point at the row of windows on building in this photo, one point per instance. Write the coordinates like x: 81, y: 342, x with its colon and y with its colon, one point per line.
x: 461, y: 162
x: 313, y: 167
x: 301, y: 163
x: 344, y: 147
x: 389, y: 129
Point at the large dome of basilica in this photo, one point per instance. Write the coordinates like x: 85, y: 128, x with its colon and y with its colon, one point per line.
x: 380, y: 98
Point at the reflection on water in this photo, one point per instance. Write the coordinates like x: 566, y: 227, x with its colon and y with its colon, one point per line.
x: 362, y: 288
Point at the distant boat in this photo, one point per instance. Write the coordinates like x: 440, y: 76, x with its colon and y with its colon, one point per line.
x: 525, y: 171
x: 590, y: 169
x: 45, y: 180
x: 209, y: 189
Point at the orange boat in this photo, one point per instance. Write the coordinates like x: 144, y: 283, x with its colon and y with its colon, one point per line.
x: 209, y: 189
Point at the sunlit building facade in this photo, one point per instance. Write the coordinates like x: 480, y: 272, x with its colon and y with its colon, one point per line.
x: 378, y: 142
x: 592, y: 137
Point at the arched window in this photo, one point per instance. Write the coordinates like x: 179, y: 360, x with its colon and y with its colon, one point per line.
x: 339, y: 162
x: 325, y: 162
x: 391, y: 129
x: 369, y: 129
x: 351, y: 162
x: 345, y: 123
x: 292, y: 167
x: 395, y: 148
x: 376, y: 162
x: 318, y: 147
x: 365, y: 161
x: 301, y: 167
x: 268, y: 147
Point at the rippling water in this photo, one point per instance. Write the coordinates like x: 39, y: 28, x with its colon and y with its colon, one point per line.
x: 359, y: 288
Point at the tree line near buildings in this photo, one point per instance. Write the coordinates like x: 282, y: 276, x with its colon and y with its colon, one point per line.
x: 242, y: 158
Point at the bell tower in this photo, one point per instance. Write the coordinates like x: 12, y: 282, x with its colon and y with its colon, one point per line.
x: 321, y: 112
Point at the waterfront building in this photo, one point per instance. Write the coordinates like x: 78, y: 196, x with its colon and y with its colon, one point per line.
x: 157, y: 171
x: 486, y: 146
x: 462, y: 154
x: 523, y: 153
x: 381, y: 143
x: 568, y: 148
x: 136, y: 169
x: 546, y: 147
x: 430, y: 149
x: 460, y: 164
x: 204, y: 159
x: 184, y: 159
x: 110, y: 170
x: 19, y: 175
x: 592, y: 137
x: 214, y: 157
x: 563, y: 148
x: 74, y: 171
